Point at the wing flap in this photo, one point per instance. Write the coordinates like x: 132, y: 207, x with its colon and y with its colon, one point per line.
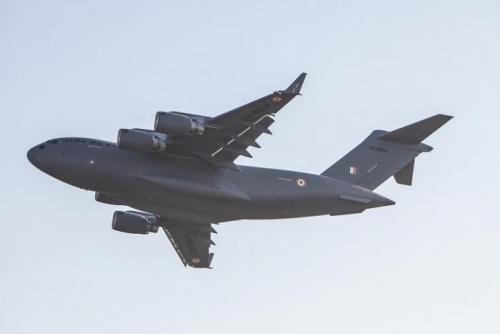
x: 191, y: 242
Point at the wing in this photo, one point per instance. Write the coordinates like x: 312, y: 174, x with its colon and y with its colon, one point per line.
x: 191, y: 242
x: 227, y: 136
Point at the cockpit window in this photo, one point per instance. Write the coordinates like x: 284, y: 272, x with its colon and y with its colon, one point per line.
x: 74, y: 140
x: 53, y: 141
x: 41, y: 147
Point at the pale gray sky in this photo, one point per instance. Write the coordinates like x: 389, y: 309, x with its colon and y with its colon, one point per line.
x: 430, y: 264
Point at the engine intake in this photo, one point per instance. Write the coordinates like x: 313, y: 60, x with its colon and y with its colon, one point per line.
x: 134, y: 222
x: 140, y: 141
x: 178, y: 124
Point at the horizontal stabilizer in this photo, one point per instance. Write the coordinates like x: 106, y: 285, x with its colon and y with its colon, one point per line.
x: 415, y: 133
x: 384, y: 154
x: 405, y: 175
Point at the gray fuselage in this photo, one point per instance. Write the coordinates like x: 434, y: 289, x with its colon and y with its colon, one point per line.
x: 190, y: 189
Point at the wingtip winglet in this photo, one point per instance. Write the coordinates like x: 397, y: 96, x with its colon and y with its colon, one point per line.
x: 296, y: 85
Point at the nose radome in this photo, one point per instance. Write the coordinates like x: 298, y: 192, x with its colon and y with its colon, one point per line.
x: 35, y: 155
x: 32, y: 155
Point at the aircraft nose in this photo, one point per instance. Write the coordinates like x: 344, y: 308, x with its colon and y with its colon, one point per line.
x: 35, y: 155
x: 49, y: 157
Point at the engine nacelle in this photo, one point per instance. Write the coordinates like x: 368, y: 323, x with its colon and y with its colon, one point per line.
x: 136, y: 140
x: 178, y: 124
x: 134, y: 222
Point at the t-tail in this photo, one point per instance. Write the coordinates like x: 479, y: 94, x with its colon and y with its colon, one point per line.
x: 384, y: 154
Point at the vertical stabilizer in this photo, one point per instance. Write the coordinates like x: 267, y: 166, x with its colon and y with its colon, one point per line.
x: 384, y: 154
x: 405, y: 175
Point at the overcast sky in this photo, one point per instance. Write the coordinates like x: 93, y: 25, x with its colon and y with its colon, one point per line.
x: 430, y: 264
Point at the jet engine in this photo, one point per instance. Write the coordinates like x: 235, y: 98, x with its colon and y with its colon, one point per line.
x: 134, y: 222
x: 141, y: 141
x: 173, y: 123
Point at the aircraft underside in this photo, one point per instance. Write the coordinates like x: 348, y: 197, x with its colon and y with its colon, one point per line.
x: 181, y: 176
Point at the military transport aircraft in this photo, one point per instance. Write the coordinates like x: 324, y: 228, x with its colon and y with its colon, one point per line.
x: 182, y: 176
